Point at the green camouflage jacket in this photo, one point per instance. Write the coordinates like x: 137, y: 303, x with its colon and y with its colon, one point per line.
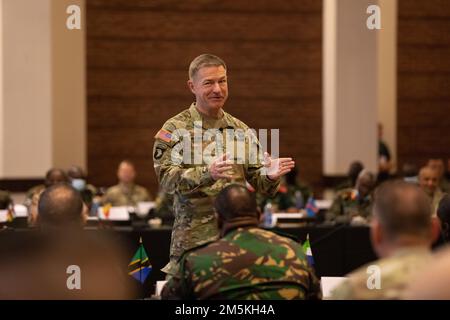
x: 247, y: 263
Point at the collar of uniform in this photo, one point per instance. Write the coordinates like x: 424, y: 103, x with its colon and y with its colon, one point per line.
x: 196, y: 116
x: 238, y: 222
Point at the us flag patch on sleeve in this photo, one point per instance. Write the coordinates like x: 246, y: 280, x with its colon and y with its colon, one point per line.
x: 164, y: 135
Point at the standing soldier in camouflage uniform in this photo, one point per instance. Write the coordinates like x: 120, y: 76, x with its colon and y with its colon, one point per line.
x: 352, y: 204
x: 194, y: 183
x: 246, y: 263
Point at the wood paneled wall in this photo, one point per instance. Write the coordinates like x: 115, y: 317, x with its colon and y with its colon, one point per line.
x: 423, y: 80
x: 138, y: 53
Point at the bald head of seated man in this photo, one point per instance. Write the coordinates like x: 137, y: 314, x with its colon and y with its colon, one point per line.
x: 402, y: 232
x: 61, y: 206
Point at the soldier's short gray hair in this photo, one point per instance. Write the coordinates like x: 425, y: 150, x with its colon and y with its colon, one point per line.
x: 205, y: 60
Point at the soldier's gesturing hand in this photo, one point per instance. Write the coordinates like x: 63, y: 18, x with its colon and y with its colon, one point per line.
x: 219, y: 167
x: 277, y: 167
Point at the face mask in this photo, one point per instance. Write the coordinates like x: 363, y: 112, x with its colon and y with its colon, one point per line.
x: 79, y: 184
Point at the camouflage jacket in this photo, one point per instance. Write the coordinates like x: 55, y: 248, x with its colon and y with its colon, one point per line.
x: 347, y: 204
x: 395, y: 274
x: 191, y: 184
x: 247, y: 263
x: 119, y: 195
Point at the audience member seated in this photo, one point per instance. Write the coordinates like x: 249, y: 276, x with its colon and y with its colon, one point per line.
x: 126, y: 193
x: 246, y: 263
x: 5, y: 200
x: 443, y: 213
x: 52, y: 177
x: 402, y: 232
x: 438, y: 165
x: 78, y: 180
x: 353, y: 172
x: 410, y: 173
x: 60, y: 207
x: 428, y: 181
x: 354, y: 204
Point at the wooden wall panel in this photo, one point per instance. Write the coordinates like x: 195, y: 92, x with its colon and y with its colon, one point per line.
x: 138, y: 52
x: 423, y: 80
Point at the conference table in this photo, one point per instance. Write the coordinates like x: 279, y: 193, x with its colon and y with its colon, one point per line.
x: 337, y: 249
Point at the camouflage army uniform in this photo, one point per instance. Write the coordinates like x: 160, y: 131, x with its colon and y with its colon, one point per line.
x: 164, y: 206
x: 348, y: 205
x: 247, y: 263
x: 192, y: 186
x: 396, y: 274
x: 120, y: 195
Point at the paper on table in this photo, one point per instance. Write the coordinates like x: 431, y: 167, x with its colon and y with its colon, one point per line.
x: 115, y: 214
x: 144, y: 207
x: 328, y: 284
x: 3, y: 215
x: 20, y: 211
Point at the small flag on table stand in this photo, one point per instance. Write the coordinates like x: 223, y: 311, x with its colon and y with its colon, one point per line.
x: 308, y: 252
x: 139, y: 267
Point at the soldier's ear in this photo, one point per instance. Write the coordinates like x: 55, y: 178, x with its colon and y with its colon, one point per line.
x: 190, y: 84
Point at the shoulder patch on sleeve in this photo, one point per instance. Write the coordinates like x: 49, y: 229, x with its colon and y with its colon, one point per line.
x: 164, y: 135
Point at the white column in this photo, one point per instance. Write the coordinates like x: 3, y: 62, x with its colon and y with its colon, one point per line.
x: 387, y: 71
x: 350, y: 86
x: 42, y: 96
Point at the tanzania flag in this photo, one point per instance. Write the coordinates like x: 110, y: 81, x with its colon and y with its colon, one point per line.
x: 308, y: 252
x: 140, y: 267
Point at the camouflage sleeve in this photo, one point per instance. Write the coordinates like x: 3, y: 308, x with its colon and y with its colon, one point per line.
x: 172, y: 176
x: 178, y: 286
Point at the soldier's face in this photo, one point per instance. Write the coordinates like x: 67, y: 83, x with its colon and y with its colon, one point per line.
x: 126, y: 173
x: 210, y: 87
x: 428, y: 181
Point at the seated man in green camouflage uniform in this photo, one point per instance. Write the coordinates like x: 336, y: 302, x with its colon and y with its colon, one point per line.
x: 246, y: 263
x: 402, y: 232
x: 352, y: 205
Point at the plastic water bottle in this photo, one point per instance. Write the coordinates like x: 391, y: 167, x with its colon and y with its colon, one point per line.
x: 298, y: 200
x: 268, y: 221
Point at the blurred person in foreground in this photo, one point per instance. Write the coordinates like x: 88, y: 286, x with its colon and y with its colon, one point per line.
x: 61, y: 207
x: 434, y: 282
x: 61, y: 261
x: 402, y: 232
x: 246, y: 263
x: 126, y: 192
